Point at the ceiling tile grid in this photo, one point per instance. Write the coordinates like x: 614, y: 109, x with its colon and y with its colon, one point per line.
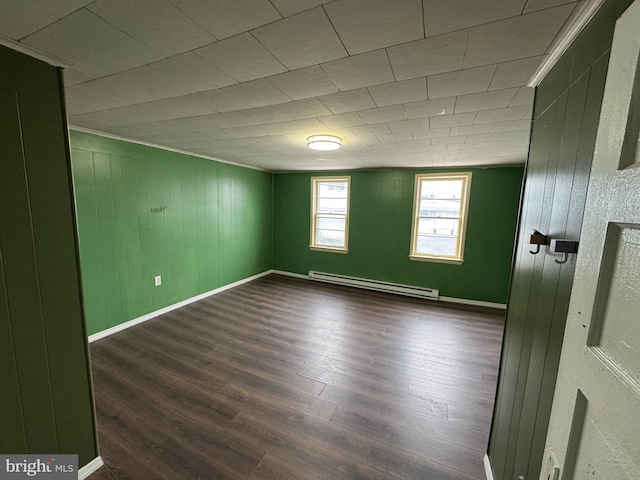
x: 405, y: 83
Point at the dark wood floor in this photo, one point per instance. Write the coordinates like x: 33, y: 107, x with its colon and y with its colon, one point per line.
x: 286, y: 378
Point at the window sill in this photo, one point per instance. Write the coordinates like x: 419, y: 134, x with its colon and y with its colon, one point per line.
x: 328, y: 249
x: 451, y: 261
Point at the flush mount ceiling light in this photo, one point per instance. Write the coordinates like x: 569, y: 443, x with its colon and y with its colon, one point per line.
x: 324, y: 142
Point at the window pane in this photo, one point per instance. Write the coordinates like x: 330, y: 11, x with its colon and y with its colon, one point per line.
x: 436, y: 245
x: 332, y: 190
x: 430, y: 207
x: 331, y: 223
x: 440, y: 215
x: 332, y: 238
x: 442, y: 189
x: 438, y: 226
x: 332, y: 205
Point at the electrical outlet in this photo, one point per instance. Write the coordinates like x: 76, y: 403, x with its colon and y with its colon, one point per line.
x: 157, y: 280
x: 551, y: 469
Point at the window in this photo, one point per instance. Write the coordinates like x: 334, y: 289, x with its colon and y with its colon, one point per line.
x: 330, y: 213
x: 440, y: 207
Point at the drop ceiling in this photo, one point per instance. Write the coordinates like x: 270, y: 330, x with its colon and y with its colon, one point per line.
x: 404, y: 83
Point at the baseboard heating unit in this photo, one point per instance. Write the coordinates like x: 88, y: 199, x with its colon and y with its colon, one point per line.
x: 420, y: 292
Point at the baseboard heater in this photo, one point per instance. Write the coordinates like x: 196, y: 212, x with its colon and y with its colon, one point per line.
x: 420, y: 292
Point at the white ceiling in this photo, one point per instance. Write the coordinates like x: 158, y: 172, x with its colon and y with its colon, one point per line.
x: 405, y: 83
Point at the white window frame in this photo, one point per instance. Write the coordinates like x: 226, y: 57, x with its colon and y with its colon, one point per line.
x: 314, y: 245
x: 458, y: 258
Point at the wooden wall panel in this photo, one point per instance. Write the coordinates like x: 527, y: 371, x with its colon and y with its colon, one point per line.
x: 49, y: 406
x: 566, y: 114
x: 144, y: 211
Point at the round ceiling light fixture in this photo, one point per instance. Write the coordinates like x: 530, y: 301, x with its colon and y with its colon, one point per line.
x: 324, y: 142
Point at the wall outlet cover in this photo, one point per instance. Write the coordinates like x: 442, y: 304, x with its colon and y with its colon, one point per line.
x: 157, y: 280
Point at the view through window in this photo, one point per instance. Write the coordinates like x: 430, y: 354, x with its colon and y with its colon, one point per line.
x: 330, y: 213
x: 440, y: 214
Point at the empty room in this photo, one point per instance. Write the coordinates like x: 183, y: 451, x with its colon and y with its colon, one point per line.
x: 310, y: 239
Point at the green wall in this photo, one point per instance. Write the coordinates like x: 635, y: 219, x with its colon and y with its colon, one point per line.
x: 566, y: 114
x: 144, y: 211
x: 380, y: 231
x: 46, y: 404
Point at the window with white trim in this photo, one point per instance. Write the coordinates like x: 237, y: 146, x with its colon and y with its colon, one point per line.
x: 330, y: 213
x: 440, y: 205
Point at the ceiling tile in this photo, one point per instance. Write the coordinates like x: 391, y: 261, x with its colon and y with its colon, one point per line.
x: 74, y: 77
x: 31, y: 15
x: 149, y: 112
x: 310, y: 125
x: 515, y: 38
x: 365, y: 25
x: 449, y: 140
x: 394, y: 137
x: 156, y: 23
x: 502, y: 115
x: 225, y: 18
x: 263, y: 115
x: 220, y: 101
x: 471, y: 129
x: 242, y: 57
x: 533, y: 5
x: 485, y: 100
x: 304, y: 83
x: 140, y: 85
x: 204, y: 122
x: 370, y: 130
x: 431, y: 133
x: 348, y: 101
x: 307, y: 108
x: 96, y: 47
x: 452, y: 121
x: 342, y: 120
x: 472, y: 80
x: 258, y: 93
x: 451, y: 15
x: 192, y: 73
x: 384, y: 114
x: 409, y: 125
x: 509, y: 126
x: 485, y: 137
x: 428, y: 56
x: 302, y: 40
x: 94, y: 96
x: 523, y: 97
x: 360, y: 70
x: 430, y: 108
x: 291, y: 7
x: 516, y: 73
x: 397, y: 93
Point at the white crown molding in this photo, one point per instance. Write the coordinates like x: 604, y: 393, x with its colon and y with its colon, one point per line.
x: 583, y: 13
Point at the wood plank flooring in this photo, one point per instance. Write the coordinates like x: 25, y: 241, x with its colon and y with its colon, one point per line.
x: 284, y: 378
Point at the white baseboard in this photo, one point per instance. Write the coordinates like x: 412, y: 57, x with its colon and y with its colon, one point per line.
x: 290, y: 274
x: 90, y: 468
x: 464, y: 301
x: 487, y: 467
x: 162, y: 311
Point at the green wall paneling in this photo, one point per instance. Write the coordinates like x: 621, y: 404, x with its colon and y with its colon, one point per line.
x: 380, y: 230
x: 566, y: 114
x: 144, y: 211
x: 47, y: 404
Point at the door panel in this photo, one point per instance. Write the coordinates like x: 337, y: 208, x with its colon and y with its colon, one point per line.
x: 595, y: 420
